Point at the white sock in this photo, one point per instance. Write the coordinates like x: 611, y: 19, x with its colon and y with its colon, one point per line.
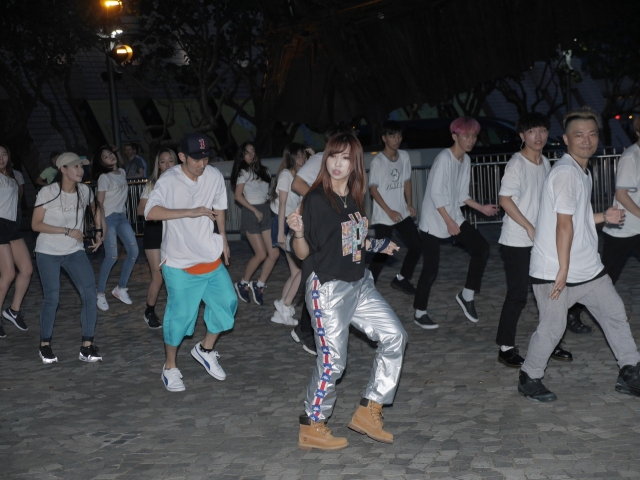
x: 399, y: 277
x: 420, y: 313
x: 243, y: 282
x: 259, y: 284
x: 467, y: 294
x: 504, y: 348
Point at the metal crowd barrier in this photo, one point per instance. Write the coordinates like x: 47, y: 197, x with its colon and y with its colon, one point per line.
x: 485, y: 185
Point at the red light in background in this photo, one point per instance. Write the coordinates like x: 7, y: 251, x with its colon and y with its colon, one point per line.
x: 617, y: 117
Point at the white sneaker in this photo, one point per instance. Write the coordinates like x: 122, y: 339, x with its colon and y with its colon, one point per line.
x: 283, y: 310
x: 122, y: 295
x: 172, y: 379
x: 102, y: 302
x: 209, y: 360
x: 284, y: 320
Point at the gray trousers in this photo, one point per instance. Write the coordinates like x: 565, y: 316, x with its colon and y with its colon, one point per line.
x: 604, y: 303
x: 333, y: 307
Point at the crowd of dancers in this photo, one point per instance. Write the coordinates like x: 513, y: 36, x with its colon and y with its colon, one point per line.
x: 314, y: 213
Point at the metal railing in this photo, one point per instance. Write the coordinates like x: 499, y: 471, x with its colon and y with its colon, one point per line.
x: 484, y: 185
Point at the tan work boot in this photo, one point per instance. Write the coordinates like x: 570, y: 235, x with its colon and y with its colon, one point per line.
x: 368, y: 421
x: 317, y: 435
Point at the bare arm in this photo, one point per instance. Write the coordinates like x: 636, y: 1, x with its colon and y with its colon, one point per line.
x: 161, y: 213
x: 564, y: 239
x: 452, y: 227
x: 622, y: 196
x: 393, y: 215
x: 408, y: 197
x: 41, y: 181
x: 38, y: 225
x: 282, y: 208
x: 299, y: 243
x: 489, y: 210
x: 220, y: 216
x: 141, y: 205
x: 238, y: 197
x: 509, y: 206
x: 299, y: 186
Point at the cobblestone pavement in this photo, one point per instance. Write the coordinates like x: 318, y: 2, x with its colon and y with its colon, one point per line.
x: 457, y: 414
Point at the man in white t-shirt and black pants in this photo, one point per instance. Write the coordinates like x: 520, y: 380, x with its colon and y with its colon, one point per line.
x: 390, y: 188
x: 566, y: 268
x: 305, y: 177
x: 188, y: 198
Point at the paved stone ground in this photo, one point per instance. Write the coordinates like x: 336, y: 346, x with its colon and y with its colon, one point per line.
x: 457, y: 414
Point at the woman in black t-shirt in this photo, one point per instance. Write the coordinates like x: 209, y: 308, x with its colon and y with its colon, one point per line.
x: 329, y: 235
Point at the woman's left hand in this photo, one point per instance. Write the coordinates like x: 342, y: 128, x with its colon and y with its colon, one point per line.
x: 95, y: 244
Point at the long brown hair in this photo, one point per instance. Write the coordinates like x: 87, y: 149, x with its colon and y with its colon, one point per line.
x: 8, y: 168
x: 357, y: 182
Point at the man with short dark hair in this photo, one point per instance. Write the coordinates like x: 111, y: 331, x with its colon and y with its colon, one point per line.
x: 135, y: 167
x: 566, y: 268
x: 390, y: 188
x: 188, y: 198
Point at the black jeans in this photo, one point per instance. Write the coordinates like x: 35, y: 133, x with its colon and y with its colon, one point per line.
x: 470, y: 238
x: 516, y: 266
x: 409, y: 234
x: 615, y: 252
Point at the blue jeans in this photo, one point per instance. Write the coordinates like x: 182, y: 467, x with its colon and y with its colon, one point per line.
x: 79, y: 269
x: 117, y: 223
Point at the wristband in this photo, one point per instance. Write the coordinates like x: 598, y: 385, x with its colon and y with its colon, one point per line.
x: 294, y: 236
x: 66, y: 231
x: 378, y: 245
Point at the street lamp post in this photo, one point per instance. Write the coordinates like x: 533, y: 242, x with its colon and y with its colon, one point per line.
x: 112, y: 7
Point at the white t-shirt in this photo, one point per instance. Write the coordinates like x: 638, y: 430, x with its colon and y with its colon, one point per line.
x: 8, y: 198
x: 522, y: 181
x: 64, y: 210
x: 566, y: 190
x: 390, y: 177
x: 189, y: 241
x: 256, y: 190
x: 309, y: 171
x: 117, y: 190
x: 447, y: 186
x: 628, y: 178
x: 19, y: 177
x: 285, y: 179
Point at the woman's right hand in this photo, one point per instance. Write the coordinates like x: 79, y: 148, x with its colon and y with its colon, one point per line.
x: 77, y: 235
x: 259, y: 215
x: 295, y: 221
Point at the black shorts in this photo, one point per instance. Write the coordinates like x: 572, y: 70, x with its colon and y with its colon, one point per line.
x: 9, y: 231
x: 249, y: 222
x: 152, y: 238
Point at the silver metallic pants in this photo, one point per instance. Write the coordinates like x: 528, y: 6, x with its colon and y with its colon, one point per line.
x: 333, y: 307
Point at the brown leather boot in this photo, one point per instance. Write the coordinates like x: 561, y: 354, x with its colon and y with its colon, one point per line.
x: 368, y: 421
x: 317, y: 435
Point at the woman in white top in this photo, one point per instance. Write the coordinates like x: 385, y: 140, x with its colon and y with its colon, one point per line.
x: 112, y: 195
x: 250, y: 181
x: 13, y: 250
x: 152, y: 239
x: 284, y: 202
x: 59, y: 217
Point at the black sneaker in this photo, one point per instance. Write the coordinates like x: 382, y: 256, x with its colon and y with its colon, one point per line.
x: 308, y: 341
x: 561, y: 354
x: 46, y: 354
x: 2, y: 334
x: 534, y: 389
x: 468, y: 308
x: 629, y: 380
x: 425, y: 322
x: 511, y: 358
x: 152, y: 320
x: 89, y: 354
x: 575, y: 325
x: 17, y: 319
x: 403, y: 286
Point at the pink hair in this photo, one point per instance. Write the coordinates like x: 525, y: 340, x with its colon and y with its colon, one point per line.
x: 464, y: 125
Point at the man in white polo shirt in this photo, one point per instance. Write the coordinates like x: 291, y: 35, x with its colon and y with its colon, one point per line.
x: 566, y: 268
x: 188, y: 198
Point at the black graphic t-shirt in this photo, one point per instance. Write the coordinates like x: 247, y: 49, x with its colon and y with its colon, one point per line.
x: 336, y: 240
